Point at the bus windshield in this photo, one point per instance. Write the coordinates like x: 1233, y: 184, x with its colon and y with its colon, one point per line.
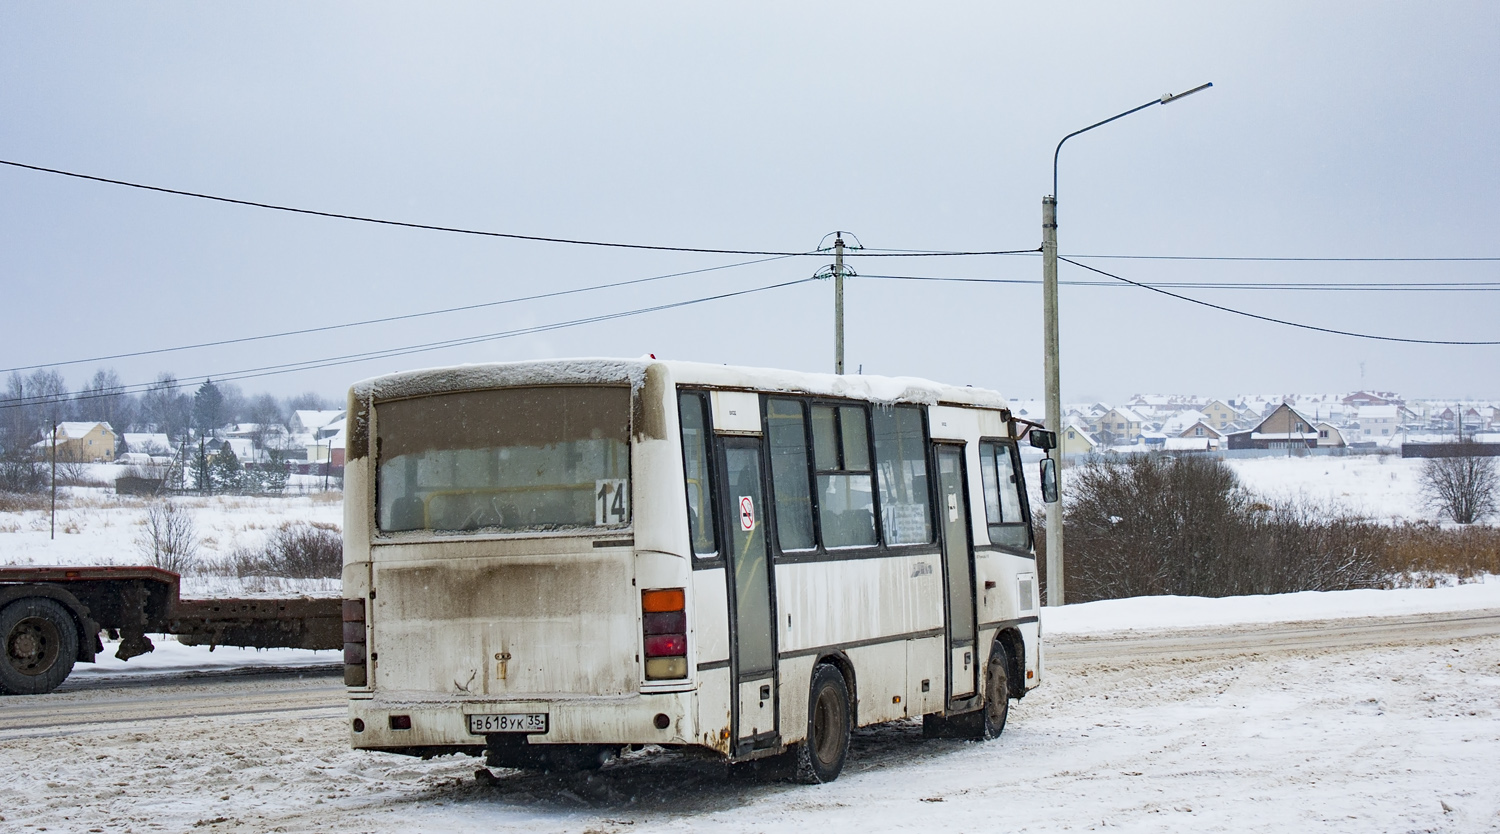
x: 510, y: 459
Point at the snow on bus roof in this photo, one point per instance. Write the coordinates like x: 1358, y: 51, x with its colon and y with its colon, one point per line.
x: 878, y: 389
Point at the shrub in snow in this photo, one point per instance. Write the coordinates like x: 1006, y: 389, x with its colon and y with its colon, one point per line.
x: 169, y: 538
x: 296, y: 550
x: 1152, y: 524
x: 1464, y: 487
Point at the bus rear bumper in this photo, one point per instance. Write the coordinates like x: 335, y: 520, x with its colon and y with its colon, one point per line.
x: 435, y: 726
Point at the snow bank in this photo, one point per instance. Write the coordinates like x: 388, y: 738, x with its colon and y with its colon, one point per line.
x: 1173, y: 612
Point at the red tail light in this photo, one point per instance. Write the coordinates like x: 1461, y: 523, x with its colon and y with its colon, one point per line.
x: 664, y: 623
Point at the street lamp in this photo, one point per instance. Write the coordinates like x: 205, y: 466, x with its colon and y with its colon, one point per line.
x: 1049, y: 339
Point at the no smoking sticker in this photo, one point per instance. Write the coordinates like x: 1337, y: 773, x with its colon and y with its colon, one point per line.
x: 747, y: 513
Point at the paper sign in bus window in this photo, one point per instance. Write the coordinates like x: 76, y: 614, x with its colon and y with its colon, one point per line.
x: 611, y: 502
x: 747, y: 513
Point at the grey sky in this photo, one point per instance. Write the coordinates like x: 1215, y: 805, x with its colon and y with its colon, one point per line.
x: 1333, y: 129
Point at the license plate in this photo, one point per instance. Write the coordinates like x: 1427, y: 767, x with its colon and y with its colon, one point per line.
x: 516, y: 722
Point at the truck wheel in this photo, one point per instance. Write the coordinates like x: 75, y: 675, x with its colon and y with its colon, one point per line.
x: 820, y: 757
x: 41, y: 644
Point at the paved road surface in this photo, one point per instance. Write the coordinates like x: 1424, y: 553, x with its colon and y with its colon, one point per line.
x: 319, y: 691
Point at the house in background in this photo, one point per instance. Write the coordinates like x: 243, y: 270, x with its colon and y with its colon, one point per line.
x: 1076, y: 441
x: 1219, y: 415
x: 309, y: 422
x: 1329, y: 436
x: 145, y: 443
x: 1118, y: 426
x: 1360, y: 399
x: 1190, y: 444
x: 1202, y: 429
x: 1378, y: 422
x: 79, y: 442
x: 1283, y: 428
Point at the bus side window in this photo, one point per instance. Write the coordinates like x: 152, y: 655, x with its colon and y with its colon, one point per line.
x: 901, y: 467
x: 841, y: 455
x: 696, y: 439
x: 786, y: 433
x: 1002, y: 495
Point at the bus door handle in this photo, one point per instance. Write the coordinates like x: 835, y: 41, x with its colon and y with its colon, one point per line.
x: 765, y: 692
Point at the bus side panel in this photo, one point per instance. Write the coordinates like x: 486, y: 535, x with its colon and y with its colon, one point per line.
x: 1032, y: 634
x: 924, y: 675
x: 713, y: 708
x: 710, y: 622
x: 880, y: 677
x: 709, y: 645
x: 833, y: 603
x: 795, y: 688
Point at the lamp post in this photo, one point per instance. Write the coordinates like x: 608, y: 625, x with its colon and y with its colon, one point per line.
x: 1050, y: 348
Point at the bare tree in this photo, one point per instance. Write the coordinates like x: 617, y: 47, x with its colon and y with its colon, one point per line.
x: 104, y: 398
x: 48, y: 395
x: 309, y: 401
x: 169, y: 538
x: 1463, y: 487
x: 269, y: 419
x: 165, y: 406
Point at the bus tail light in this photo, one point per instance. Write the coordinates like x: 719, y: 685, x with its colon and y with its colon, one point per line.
x: 355, y: 668
x: 664, y: 623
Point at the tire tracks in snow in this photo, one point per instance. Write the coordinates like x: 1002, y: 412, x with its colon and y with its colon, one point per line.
x: 1261, y: 638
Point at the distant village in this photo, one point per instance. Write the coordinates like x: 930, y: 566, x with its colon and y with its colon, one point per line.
x: 311, y: 442
x: 1364, y: 420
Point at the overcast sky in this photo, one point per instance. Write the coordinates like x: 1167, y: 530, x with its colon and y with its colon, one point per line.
x: 1332, y: 130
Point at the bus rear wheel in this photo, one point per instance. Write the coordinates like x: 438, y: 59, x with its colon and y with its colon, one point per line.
x: 41, y: 644
x: 820, y: 757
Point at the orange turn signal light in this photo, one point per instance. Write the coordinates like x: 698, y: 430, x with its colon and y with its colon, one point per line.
x: 662, y: 599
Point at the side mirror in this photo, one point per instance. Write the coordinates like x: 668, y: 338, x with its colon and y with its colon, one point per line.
x: 1043, y: 439
x: 1049, y: 480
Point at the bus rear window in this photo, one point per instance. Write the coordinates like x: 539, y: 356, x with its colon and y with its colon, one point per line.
x: 512, y: 459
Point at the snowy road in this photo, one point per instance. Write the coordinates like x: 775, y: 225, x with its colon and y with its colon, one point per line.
x: 1388, y: 724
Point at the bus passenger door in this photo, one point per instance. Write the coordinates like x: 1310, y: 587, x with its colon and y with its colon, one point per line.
x: 752, y: 640
x: 958, y: 574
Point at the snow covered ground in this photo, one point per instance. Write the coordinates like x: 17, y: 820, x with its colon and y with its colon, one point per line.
x: 97, y: 527
x: 1370, y: 738
x: 1380, y: 487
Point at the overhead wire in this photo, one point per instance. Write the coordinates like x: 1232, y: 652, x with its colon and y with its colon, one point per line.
x: 1312, y: 286
x: 384, y: 353
x: 1273, y: 320
x: 1273, y: 259
x: 385, y: 319
x: 482, y: 233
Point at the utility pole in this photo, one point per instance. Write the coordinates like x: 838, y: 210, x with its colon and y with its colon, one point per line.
x: 838, y: 302
x: 54, y: 480
x: 1053, y: 376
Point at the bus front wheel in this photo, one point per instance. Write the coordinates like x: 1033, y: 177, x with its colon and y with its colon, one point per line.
x: 820, y: 757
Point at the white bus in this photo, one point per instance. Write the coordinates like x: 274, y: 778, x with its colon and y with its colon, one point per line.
x: 548, y: 562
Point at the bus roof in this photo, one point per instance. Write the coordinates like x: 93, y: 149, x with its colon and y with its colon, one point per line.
x: 879, y: 389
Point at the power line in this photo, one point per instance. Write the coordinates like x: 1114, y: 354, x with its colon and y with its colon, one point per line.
x: 482, y: 233
x: 384, y: 319
x: 1311, y: 286
x: 1276, y: 320
x: 1280, y: 259
x: 384, y: 353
